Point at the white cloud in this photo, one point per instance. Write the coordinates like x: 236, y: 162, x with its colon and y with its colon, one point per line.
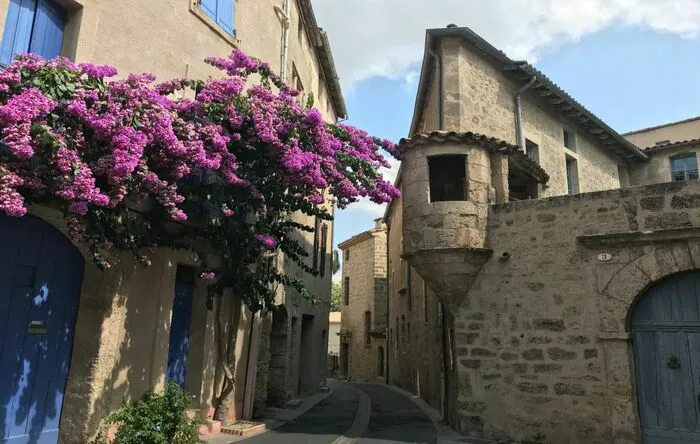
x: 386, y: 37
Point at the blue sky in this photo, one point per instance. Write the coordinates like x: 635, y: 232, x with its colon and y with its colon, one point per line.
x: 634, y: 63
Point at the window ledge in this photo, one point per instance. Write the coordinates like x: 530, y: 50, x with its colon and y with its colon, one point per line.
x: 230, y: 39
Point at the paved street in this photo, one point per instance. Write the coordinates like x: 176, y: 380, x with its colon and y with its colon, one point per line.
x: 356, y: 413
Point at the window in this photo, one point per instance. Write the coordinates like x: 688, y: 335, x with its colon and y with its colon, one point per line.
x: 300, y: 29
x: 570, y: 140
x: 409, y: 296
x: 34, y: 26
x: 572, y: 175
x: 403, y: 329
x: 368, y: 327
x: 448, y: 178
x: 346, y: 295
x: 221, y: 11
x: 317, y: 234
x: 425, y: 302
x: 623, y: 176
x: 324, y: 241
x: 532, y: 150
x: 346, y: 255
x: 684, y: 167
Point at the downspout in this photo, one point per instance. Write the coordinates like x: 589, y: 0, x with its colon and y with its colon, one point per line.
x: 284, y: 12
x: 519, y: 133
x: 438, y: 99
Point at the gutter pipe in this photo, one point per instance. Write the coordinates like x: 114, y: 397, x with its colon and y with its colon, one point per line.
x: 519, y: 133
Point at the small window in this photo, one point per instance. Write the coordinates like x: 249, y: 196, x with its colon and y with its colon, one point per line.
x: 409, y: 296
x: 684, y: 167
x: 572, y: 175
x: 662, y: 142
x: 322, y: 253
x: 448, y: 178
x: 300, y: 29
x: 346, y: 294
x: 623, y: 176
x: 296, y: 83
x: 570, y: 140
x: 532, y: 150
x: 221, y: 12
x: 317, y: 234
x: 368, y: 327
x: 346, y: 255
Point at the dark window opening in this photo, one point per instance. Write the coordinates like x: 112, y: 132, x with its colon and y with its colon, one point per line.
x: 684, y: 167
x: 521, y: 186
x: 448, y: 178
x: 317, y: 233
x: 346, y: 294
x: 569, y: 140
x: 346, y: 255
x: 323, y: 252
x: 572, y: 175
x: 368, y: 327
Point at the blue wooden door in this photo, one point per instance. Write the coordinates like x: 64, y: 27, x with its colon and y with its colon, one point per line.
x: 32, y: 26
x: 666, y: 343
x: 41, y: 274
x: 180, y: 326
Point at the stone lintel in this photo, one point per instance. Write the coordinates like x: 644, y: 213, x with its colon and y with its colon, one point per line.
x: 640, y: 237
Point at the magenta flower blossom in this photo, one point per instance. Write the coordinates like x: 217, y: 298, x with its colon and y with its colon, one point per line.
x: 269, y: 242
x: 207, y: 276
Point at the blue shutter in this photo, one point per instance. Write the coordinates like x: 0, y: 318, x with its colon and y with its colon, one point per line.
x: 47, y: 36
x: 209, y: 8
x: 18, y: 29
x: 224, y: 15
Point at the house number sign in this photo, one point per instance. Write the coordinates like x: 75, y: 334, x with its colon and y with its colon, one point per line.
x: 605, y: 257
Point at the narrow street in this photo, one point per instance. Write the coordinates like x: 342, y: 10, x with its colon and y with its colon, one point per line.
x: 356, y: 413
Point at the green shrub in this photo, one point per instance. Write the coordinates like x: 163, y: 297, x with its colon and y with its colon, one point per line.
x: 157, y: 418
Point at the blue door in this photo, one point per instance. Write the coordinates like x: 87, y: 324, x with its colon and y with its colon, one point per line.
x: 666, y: 343
x: 34, y: 26
x: 180, y: 325
x: 41, y: 274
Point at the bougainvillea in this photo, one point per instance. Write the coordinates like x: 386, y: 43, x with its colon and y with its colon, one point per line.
x: 217, y: 167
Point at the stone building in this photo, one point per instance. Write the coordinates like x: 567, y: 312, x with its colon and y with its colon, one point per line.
x: 543, y: 276
x: 363, y: 308
x: 118, y: 328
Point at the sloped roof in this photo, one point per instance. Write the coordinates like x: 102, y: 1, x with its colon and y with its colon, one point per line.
x: 521, y: 71
x: 678, y: 144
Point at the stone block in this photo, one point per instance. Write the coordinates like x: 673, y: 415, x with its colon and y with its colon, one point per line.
x: 470, y: 363
x: 532, y: 387
x: 569, y: 389
x: 652, y: 203
x: 548, y: 368
x: 590, y: 353
x: 667, y: 221
x: 549, y: 324
x: 559, y: 354
x: 534, y: 354
x: 483, y: 352
x: 681, y: 201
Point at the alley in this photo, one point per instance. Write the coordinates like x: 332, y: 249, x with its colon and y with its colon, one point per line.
x: 356, y: 413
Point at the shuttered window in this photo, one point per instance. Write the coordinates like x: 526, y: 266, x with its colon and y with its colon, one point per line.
x: 221, y: 11
x: 34, y: 26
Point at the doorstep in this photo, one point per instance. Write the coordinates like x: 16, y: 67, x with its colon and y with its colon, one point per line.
x: 272, y: 418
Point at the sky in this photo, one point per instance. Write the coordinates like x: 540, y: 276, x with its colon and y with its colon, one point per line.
x: 633, y: 63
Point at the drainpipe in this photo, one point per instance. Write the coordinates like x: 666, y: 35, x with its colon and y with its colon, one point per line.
x: 438, y: 75
x: 284, y: 18
x: 519, y: 133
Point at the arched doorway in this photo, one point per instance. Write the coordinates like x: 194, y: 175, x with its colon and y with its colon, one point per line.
x: 665, y: 326
x: 380, y: 361
x: 41, y: 274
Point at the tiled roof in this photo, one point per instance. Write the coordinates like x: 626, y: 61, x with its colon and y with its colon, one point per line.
x: 492, y: 144
x: 677, y: 144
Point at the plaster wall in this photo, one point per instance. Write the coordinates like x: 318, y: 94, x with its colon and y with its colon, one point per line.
x: 674, y: 132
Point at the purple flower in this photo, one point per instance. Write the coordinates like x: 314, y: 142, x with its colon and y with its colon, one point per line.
x: 207, y: 276
x: 269, y: 242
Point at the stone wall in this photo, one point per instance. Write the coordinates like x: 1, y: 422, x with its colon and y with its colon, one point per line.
x: 364, y: 264
x: 478, y: 97
x: 547, y: 324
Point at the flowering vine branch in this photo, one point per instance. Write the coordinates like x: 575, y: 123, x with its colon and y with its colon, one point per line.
x: 135, y: 168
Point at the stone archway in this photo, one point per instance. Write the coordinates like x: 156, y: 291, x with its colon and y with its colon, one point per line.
x: 619, y: 288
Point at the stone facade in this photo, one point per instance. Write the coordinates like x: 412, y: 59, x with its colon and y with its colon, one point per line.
x: 121, y: 339
x: 526, y: 324
x: 363, y: 308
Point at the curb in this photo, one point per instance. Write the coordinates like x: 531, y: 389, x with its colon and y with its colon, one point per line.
x: 445, y: 434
